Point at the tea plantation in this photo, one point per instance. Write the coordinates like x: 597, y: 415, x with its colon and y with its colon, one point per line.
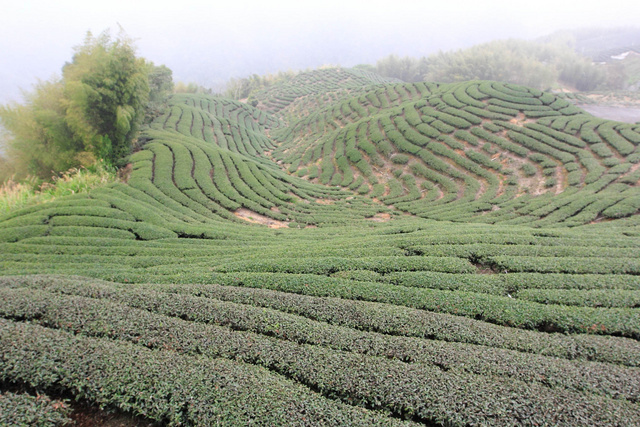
x: 342, y: 249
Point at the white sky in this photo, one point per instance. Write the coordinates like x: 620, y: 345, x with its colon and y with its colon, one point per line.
x: 211, y: 41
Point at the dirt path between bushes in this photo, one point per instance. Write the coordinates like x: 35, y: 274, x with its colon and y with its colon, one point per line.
x: 256, y: 218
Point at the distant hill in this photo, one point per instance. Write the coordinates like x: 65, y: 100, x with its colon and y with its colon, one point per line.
x: 576, y: 60
x: 616, y: 50
x: 599, y: 44
x: 462, y: 151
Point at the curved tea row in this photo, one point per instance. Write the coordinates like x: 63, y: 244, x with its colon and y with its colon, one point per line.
x: 477, y: 151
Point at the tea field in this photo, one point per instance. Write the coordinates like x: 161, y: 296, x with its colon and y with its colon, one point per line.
x: 342, y: 249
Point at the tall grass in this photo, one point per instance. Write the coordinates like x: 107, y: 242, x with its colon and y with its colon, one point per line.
x: 16, y: 195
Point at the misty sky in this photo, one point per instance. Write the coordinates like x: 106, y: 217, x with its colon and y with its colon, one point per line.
x: 210, y: 41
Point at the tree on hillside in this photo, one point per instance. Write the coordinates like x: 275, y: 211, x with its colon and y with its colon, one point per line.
x: 106, y: 91
x: 582, y: 74
x: 160, y: 81
x: 407, y: 69
x: 244, y: 87
x: 191, y: 87
x: 93, y: 112
x: 41, y: 143
x: 514, y: 61
x: 540, y: 65
x: 160, y: 86
x: 7, y: 170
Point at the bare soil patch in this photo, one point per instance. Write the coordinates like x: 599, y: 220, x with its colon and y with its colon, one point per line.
x: 86, y: 415
x: 125, y: 173
x: 533, y: 184
x: 380, y: 217
x: 521, y: 120
x: 634, y: 168
x: 256, y: 218
x: 324, y: 202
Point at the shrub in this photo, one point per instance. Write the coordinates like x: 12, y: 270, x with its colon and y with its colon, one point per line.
x: 400, y: 159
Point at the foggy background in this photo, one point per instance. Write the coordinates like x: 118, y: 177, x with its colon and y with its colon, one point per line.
x: 208, y: 42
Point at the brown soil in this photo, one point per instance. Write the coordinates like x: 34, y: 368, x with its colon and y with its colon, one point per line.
x: 533, y: 184
x: 380, y: 217
x: 634, y: 168
x: 481, y: 268
x: 85, y: 415
x: 256, y: 218
x: 521, y: 120
x: 324, y: 202
x: 601, y: 219
x: 125, y: 173
x: 561, y: 180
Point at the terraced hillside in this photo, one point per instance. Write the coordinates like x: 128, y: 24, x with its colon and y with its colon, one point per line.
x: 477, y: 151
x: 352, y: 251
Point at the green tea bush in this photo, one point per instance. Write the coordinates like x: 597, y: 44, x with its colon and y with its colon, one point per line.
x: 21, y: 409
x: 182, y: 389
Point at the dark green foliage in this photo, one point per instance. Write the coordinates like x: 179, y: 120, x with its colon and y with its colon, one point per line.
x: 182, y: 389
x: 466, y: 136
x: 609, y: 134
x: 21, y: 409
x: 329, y: 265
x: 93, y: 112
x: 107, y: 91
x: 261, y: 349
x: 400, y: 159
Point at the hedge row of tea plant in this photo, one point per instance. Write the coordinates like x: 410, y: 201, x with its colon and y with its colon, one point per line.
x: 23, y: 409
x: 164, y: 386
x: 294, y: 360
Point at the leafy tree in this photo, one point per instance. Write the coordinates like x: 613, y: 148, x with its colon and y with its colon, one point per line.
x: 93, y: 112
x: 41, y: 142
x: 7, y: 169
x: 366, y: 67
x: 160, y: 82
x: 407, y: 69
x: 514, y: 61
x: 106, y: 91
x: 244, y: 87
x: 160, y: 86
x: 536, y: 64
x: 582, y: 74
x: 182, y: 87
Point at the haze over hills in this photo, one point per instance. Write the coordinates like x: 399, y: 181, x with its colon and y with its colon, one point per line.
x: 343, y: 248
x: 209, y: 44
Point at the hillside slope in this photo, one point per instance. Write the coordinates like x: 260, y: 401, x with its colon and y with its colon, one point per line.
x: 350, y: 251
